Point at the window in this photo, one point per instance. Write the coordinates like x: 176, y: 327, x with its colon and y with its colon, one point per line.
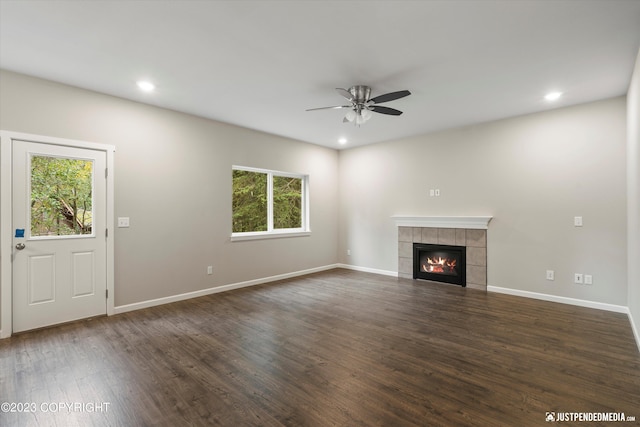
x: 61, y: 196
x: 268, y: 204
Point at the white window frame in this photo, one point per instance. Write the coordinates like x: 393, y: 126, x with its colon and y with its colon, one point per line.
x: 272, y: 233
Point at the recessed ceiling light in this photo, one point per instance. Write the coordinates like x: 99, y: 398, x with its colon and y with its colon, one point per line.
x: 342, y: 141
x: 145, y: 85
x: 553, y: 96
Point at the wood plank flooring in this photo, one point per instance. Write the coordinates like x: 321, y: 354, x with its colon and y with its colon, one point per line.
x: 338, y: 348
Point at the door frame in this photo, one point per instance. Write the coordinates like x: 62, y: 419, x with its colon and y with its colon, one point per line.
x: 6, y: 227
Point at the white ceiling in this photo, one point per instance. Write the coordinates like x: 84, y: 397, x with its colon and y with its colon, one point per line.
x: 260, y: 64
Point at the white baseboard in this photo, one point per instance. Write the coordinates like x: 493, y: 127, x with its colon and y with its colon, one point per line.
x: 563, y: 300
x: 368, y: 270
x: 223, y: 288
x: 2, y: 335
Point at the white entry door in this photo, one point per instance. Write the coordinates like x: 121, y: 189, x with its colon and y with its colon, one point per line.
x: 59, y: 226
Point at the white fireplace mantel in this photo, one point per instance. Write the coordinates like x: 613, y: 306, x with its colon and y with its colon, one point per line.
x: 470, y: 222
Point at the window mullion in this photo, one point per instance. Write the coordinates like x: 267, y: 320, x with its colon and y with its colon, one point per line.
x: 270, y: 202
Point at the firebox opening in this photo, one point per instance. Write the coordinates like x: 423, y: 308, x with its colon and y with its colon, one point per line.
x: 440, y: 263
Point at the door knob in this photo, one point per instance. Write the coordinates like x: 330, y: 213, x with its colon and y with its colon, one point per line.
x: 20, y: 246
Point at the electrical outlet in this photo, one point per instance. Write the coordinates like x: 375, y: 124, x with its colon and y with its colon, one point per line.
x: 577, y: 221
x: 577, y: 278
x: 551, y: 275
x: 588, y: 279
x: 210, y: 269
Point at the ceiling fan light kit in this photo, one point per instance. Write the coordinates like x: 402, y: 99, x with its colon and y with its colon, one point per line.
x: 362, y: 105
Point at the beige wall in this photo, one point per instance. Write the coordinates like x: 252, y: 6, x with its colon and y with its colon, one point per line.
x: 173, y: 179
x: 533, y: 173
x: 633, y: 170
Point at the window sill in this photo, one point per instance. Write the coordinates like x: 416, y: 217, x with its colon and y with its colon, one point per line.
x: 239, y: 237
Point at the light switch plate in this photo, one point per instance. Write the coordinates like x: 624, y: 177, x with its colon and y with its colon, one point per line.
x: 123, y: 221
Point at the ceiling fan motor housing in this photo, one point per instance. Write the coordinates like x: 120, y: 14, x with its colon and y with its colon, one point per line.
x: 361, y: 94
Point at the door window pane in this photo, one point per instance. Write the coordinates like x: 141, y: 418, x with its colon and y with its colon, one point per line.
x: 61, y: 196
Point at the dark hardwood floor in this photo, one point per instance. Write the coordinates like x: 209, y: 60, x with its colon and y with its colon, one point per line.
x: 338, y: 348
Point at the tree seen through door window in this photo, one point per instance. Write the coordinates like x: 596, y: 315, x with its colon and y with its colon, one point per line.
x: 61, y: 196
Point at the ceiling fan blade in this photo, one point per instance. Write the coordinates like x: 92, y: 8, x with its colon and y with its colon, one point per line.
x: 385, y: 110
x: 330, y: 108
x: 390, y: 96
x: 345, y: 93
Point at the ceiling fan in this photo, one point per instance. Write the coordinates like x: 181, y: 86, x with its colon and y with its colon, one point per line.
x: 362, y: 105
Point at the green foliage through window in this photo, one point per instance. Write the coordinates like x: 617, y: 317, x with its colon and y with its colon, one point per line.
x: 61, y: 196
x: 249, y: 201
x: 265, y: 201
x: 287, y: 202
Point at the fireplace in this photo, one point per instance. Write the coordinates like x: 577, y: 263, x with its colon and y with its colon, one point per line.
x: 440, y: 263
x: 469, y: 232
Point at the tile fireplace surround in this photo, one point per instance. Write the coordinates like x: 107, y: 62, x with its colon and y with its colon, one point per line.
x: 459, y: 231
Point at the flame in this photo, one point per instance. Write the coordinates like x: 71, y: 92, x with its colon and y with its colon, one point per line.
x: 439, y: 265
